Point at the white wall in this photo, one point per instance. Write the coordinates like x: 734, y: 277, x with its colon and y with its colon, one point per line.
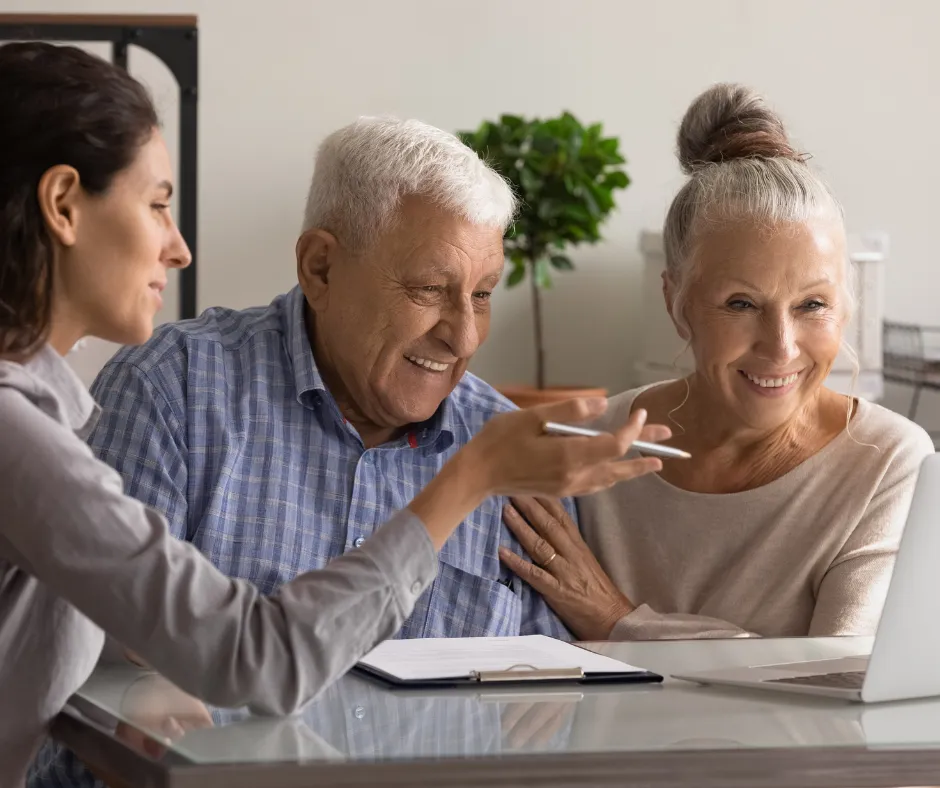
x: 855, y: 79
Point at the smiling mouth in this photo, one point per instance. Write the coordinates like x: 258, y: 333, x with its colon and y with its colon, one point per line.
x: 426, y: 363
x: 772, y: 383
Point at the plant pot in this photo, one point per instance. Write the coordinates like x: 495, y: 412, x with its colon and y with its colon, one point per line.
x: 527, y: 396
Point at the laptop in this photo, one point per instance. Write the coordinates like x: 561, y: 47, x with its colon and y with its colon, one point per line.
x: 905, y: 657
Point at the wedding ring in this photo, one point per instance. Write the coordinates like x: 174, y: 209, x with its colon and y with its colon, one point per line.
x: 550, y: 559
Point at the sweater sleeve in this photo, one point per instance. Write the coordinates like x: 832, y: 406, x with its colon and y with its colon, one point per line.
x: 853, y: 590
x: 644, y: 623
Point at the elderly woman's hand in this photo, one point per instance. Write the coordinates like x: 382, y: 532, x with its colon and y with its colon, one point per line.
x: 564, y: 570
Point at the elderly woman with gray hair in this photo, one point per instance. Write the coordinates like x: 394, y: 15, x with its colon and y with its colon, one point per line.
x: 787, y: 518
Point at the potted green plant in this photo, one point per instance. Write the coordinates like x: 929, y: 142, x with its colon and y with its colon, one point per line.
x: 564, y: 175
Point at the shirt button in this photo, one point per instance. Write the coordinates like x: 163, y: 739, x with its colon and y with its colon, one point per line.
x: 359, y: 713
x: 359, y: 542
x: 416, y: 588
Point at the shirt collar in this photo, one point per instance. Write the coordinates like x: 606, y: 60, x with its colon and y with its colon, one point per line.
x: 58, y: 391
x: 307, y: 377
x: 437, y: 432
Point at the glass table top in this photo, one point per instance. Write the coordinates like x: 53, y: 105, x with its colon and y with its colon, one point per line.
x: 360, y: 720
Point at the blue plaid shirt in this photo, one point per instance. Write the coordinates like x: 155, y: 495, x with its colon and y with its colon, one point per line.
x: 224, y: 425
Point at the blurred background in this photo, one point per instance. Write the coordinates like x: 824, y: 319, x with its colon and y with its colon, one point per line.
x: 856, y: 81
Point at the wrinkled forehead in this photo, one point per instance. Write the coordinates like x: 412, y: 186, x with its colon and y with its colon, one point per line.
x: 786, y: 256
x: 427, y: 241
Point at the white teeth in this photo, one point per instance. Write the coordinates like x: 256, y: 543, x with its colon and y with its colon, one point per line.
x: 434, y: 366
x: 772, y: 383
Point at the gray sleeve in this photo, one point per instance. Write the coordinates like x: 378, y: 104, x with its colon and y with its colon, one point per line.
x: 66, y: 520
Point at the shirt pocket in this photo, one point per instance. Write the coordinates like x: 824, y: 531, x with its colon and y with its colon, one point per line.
x: 462, y: 604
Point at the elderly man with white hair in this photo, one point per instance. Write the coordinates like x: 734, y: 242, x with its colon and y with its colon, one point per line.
x: 278, y: 438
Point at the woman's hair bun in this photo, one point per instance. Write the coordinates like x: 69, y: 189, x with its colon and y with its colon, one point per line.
x: 727, y: 122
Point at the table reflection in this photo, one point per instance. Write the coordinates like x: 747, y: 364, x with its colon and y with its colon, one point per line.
x: 359, y: 719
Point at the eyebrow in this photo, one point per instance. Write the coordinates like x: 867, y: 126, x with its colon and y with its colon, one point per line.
x: 495, y: 277
x: 451, y: 274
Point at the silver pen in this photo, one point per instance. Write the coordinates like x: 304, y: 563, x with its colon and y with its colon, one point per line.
x: 553, y: 428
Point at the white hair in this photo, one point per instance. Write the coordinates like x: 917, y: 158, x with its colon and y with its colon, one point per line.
x: 364, y: 170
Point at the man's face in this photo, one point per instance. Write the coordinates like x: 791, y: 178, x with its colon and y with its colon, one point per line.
x: 395, y: 326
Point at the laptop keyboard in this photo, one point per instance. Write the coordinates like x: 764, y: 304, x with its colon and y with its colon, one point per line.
x: 849, y: 680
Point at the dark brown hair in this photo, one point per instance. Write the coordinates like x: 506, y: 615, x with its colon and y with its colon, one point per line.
x: 59, y: 105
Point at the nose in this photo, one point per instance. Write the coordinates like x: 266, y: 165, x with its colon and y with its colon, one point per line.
x: 458, y: 329
x: 176, y: 254
x: 778, y: 343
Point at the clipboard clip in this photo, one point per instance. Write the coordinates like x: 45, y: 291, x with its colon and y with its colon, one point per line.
x: 527, y: 673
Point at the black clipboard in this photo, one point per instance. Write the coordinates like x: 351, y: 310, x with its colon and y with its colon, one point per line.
x: 516, y: 675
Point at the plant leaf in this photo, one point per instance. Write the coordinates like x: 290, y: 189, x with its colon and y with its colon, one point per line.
x: 529, y: 180
x: 592, y: 206
x: 543, y: 277
x: 562, y: 262
x: 483, y: 135
x: 616, y: 180
x: 516, y: 276
x: 565, y: 175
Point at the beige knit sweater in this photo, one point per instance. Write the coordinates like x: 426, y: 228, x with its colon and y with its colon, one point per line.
x: 810, y: 553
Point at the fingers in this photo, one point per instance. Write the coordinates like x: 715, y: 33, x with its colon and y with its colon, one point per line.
x: 630, y: 431
x: 556, y: 509
x: 529, y: 573
x: 655, y: 433
x: 198, y: 717
x: 172, y: 729
x: 624, y: 470
x: 613, y: 445
x: 544, y: 521
x: 572, y: 411
x: 538, y: 548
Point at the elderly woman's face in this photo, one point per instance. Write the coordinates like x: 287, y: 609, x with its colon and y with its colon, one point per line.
x: 766, y: 312
x: 401, y: 322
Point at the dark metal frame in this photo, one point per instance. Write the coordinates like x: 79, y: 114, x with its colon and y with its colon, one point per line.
x: 173, y: 39
x: 907, y: 361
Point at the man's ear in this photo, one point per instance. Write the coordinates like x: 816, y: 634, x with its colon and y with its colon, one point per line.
x: 58, y: 194
x: 316, y: 251
x: 669, y: 296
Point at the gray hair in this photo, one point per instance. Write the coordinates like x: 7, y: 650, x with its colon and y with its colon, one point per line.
x: 365, y: 169
x: 741, y: 166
